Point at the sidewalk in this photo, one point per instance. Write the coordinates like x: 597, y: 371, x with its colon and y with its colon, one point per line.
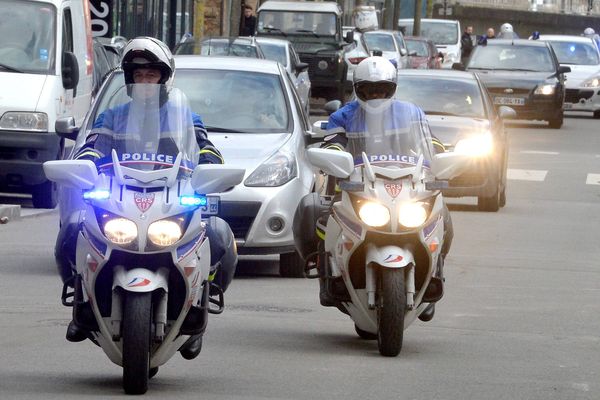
x: 14, y: 212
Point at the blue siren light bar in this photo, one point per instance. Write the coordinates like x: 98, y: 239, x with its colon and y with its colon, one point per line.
x: 193, y: 200
x: 96, y: 195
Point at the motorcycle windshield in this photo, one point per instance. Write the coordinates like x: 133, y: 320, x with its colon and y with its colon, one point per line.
x: 148, y: 126
x: 395, y: 137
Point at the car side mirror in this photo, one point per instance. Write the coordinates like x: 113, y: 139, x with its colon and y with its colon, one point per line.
x: 332, y: 106
x: 65, y: 128
x: 563, y: 69
x: 506, y: 112
x: 458, y: 66
x: 403, y: 52
x: 301, y: 67
x: 70, y: 72
x: 349, y: 38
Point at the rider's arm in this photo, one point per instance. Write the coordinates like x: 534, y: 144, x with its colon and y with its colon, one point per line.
x: 208, y: 152
x: 335, y: 138
x: 95, y: 142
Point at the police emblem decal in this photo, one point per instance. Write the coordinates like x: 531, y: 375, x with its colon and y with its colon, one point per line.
x: 143, y: 201
x: 393, y: 189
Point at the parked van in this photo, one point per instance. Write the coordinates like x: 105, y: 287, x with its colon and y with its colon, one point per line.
x: 445, y: 34
x: 45, y: 73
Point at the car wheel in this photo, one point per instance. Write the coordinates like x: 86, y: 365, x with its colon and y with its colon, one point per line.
x: 291, y: 265
x: 556, y: 123
x: 597, y: 114
x: 45, y: 195
x: 503, y: 197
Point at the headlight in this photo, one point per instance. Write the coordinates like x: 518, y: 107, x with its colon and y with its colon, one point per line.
x: 412, y: 215
x: 545, y: 90
x: 120, y: 230
x: 592, y: 82
x: 450, y: 57
x: 476, y: 145
x: 374, y: 214
x: 24, y: 121
x: 276, y: 171
x: 164, y: 232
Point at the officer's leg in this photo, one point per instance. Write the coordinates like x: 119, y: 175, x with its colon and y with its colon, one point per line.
x: 223, y: 251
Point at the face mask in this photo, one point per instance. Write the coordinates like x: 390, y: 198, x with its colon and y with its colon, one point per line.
x: 376, y: 106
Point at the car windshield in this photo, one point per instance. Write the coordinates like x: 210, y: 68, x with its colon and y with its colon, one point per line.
x: 443, y: 33
x: 147, y: 126
x: 379, y: 41
x: 297, y: 22
x: 27, y: 31
x: 219, y: 47
x: 399, y: 135
x: 442, y: 96
x: 576, y: 53
x: 512, y: 57
x: 275, y: 52
x: 417, y: 46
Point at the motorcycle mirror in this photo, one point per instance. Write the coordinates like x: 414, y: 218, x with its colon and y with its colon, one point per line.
x: 81, y: 174
x: 215, y: 178
x: 332, y: 162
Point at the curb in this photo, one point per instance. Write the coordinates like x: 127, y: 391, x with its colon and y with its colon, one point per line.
x: 9, y: 213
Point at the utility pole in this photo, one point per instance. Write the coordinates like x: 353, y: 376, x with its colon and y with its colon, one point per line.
x: 417, y: 19
x: 388, y: 14
x: 397, y: 14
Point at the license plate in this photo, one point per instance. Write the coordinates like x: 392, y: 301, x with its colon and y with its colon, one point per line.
x: 212, y: 206
x: 509, y: 101
x: 568, y: 106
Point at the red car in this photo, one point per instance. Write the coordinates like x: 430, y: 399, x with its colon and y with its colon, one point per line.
x: 422, y: 53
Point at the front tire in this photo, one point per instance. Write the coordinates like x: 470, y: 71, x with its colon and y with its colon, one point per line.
x: 137, y: 313
x: 44, y: 195
x: 390, y: 312
x: 597, y: 114
x: 291, y: 265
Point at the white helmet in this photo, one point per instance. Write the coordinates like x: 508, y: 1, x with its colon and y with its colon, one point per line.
x: 148, y: 52
x: 589, y: 32
x: 375, y: 83
x: 506, y: 27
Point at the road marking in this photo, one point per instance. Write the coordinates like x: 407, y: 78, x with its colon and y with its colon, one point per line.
x: 526, y: 175
x: 550, y: 153
x: 593, y: 179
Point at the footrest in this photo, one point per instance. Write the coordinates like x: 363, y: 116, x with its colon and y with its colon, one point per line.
x: 66, y: 295
x: 216, y: 297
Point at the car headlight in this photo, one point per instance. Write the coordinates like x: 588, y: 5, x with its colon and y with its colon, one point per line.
x: 374, y: 214
x: 450, y: 58
x: 24, y: 121
x: 476, y: 145
x: 412, y: 215
x: 545, y: 90
x: 592, y: 82
x: 120, y: 230
x: 276, y: 171
x: 164, y: 232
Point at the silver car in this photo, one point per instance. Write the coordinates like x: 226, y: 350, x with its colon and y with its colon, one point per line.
x: 283, y: 51
x: 254, y: 117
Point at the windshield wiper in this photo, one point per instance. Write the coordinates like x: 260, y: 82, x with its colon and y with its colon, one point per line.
x: 223, y: 130
x: 272, y: 29
x: 9, y: 68
x: 307, y: 31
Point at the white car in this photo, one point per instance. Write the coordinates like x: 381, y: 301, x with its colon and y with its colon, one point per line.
x: 254, y: 117
x: 283, y: 51
x: 444, y: 33
x: 583, y: 82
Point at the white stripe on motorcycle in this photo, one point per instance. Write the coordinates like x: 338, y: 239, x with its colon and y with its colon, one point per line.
x: 526, y: 175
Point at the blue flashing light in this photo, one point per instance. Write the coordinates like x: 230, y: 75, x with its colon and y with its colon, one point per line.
x: 572, y: 48
x: 96, y: 195
x: 193, y: 200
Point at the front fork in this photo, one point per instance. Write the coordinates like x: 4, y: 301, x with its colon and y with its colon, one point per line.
x: 389, y: 257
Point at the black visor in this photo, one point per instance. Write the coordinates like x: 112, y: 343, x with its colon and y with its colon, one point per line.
x: 366, y: 90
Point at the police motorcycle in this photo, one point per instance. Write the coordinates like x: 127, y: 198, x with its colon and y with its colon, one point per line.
x: 143, y: 283
x: 380, y: 255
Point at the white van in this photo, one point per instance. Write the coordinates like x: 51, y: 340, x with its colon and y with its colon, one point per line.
x: 444, y: 33
x: 45, y: 73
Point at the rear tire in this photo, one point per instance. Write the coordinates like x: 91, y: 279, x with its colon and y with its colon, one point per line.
x: 390, y: 312
x: 291, y: 265
x: 137, y: 313
x: 44, y: 195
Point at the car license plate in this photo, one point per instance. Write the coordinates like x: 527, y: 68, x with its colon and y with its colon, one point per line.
x: 211, y: 207
x: 568, y: 106
x: 509, y: 101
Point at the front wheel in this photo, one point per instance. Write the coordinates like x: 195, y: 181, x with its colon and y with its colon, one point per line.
x: 44, y: 195
x: 137, y: 313
x: 291, y: 265
x: 391, y: 294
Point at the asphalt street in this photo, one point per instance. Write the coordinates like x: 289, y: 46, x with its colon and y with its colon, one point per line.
x: 519, y: 319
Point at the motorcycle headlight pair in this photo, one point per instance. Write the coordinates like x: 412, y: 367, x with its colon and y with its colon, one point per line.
x: 410, y: 215
x: 123, y: 231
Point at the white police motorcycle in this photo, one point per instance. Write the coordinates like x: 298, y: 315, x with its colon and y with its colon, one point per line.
x: 142, y: 255
x: 380, y: 255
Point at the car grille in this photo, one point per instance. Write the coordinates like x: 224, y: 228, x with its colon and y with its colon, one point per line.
x: 313, y: 65
x: 239, y: 215
x: 574, y: 95
x: 501, y: 91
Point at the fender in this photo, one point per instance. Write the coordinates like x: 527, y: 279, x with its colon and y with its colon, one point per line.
x: 389, y: 256
x: 140, y: 280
